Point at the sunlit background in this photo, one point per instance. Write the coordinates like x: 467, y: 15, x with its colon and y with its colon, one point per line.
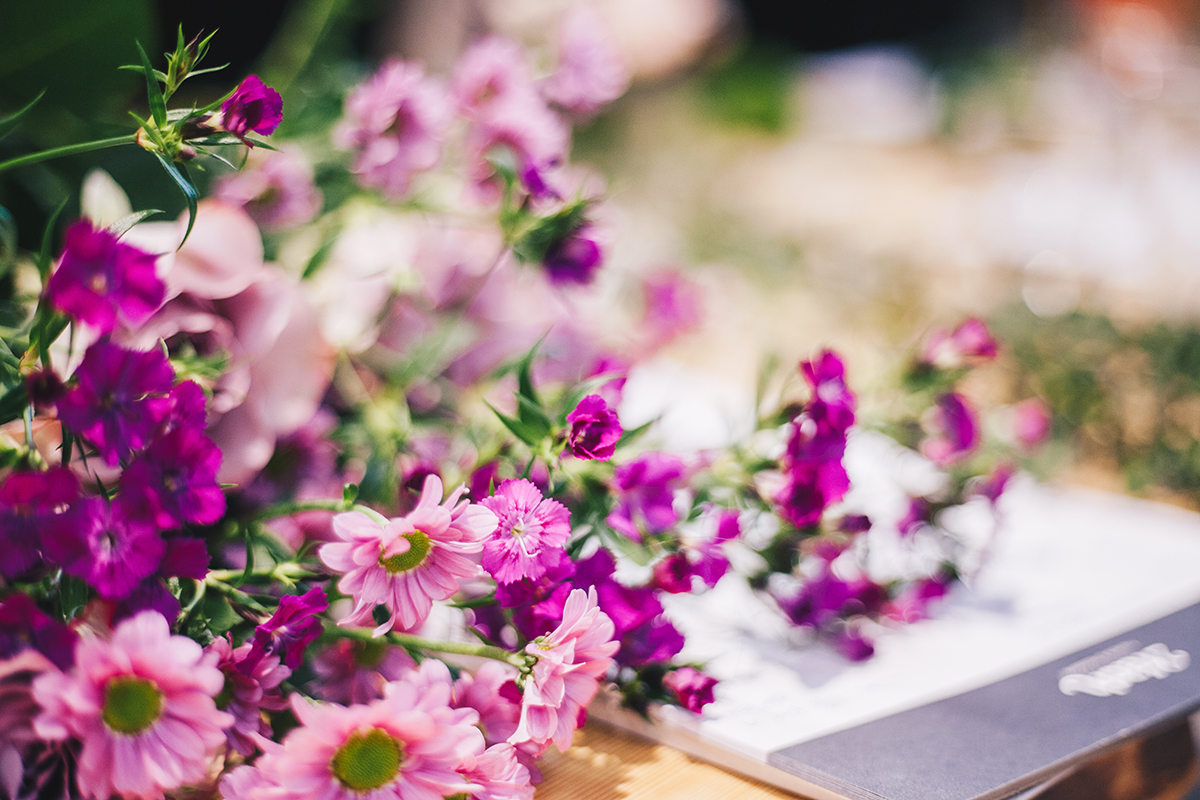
x: 845, y: 174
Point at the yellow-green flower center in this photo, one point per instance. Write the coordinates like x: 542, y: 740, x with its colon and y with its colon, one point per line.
x: 418, y: 548
x: 131, y: 704
x: 367, y: 760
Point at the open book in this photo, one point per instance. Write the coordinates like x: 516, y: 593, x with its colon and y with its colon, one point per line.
x: 1080, y: 632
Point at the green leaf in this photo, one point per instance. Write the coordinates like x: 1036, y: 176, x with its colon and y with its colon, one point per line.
x: 10, y: 123
x: 220, y: 615
x: 43, y: 258
x: 533, y: 418
x: 516, y: 427
x: 73, y: 595
x: 545, y: 232
x: 8, y: 241
x: 122, y: 226
x: 525, y: 388
x: 320, y: 257
x: 350, y: 493
x: 158, y: 106
x: 217, y: 156
x: 178, y: 174
x: 12, y: 403
x: 631, y: 436
x: 261, y: 143
x: 159, y: 75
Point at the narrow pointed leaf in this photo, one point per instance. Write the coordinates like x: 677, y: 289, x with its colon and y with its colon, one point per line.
x: 189, y: 192
x: 533, y: 417
x: 10, y: 123
x: 631, y: 436
x: 261, y: 143
x: 13, y: 403
x: 44, y: 255
x: 159, y: 74
x: 515, y: 426
x: 217, y: 156
x: 8, y: 241
x: 122, y: 226
x: 158, y: 106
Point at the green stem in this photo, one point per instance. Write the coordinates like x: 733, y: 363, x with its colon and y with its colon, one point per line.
x: 68, y: 150
x: 287, y: 571
x: 458, y: 648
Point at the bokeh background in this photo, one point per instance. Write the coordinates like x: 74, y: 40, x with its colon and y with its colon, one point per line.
x: 844, y: 174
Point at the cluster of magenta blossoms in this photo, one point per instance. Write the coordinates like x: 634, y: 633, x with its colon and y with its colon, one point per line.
x: 320, y: 491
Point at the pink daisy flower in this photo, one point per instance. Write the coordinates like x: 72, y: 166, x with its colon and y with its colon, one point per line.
x: 530, y: 536
x: 142, y: 706
x: 408, y: 745
x: 570, y: 662
x: 410, y: 562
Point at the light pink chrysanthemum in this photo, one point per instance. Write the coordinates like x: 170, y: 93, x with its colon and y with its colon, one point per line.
x: 410, y: 562
x: 408, y: 746
x: 142, y: 705
x: 248, y: 691
x: 395, y: 122
x: 531, y: 532
x: 500, y: 774
x: 492, y: 68
x: 493, y: 692
x: 571, y: 659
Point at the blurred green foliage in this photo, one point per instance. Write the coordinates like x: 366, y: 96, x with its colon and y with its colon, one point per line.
x: 753, y: 87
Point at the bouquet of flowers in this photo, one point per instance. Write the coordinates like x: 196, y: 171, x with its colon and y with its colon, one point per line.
x: 323, y: 491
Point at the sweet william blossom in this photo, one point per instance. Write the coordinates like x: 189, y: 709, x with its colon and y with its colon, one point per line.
x: 411, y: 561
x: 530, y: 534
x: 571, y: 660
x: 252, y: 108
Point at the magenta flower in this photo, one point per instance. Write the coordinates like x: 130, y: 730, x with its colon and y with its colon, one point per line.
x: 23, y: 626
x: 645, y: 489
x: 491, y: 69
x: 809, y: 490
x: 571, y: 659
x: 275, y: 188
x: 954, y: 430
x: 408, y: 746
x: 28, y: 503
x: 394, y: 123
x: 247, y: 693
x: 530, y: 535
x: 673, y: 574
x: 290, y: 630
x: 710, y: 563
x: 674, y: 306
x: 520, y: 128
x: 142, y: 705
x: 595, y: 429
x: 177, y: 478
x: 573, y: 259
x: 832, y: 402
x: 971, y: 343
x: 411, y: 561
x: 1031, y: 423
x: 112, y: 547
x: 591, y: 69
x: 252, y: 108
x: 99, y: 280
x: 119, y: 400
x: 691, y: 687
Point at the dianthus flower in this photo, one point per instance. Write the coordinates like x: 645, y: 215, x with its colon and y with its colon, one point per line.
x: 571, y: 659
x: 141, y: 704
x: 247, y: 693
x: 573, y: 259
x: 290, y: 630
x: 591, y: 70
x: 28, y: 502
x: 112, y: 547
x: 531, y: 532
x: 395, y: 123
x: 407, y: 746
x: 971, y: 343
x: 595, y: 429
x: 411, y: 561
x: 275, y: 188
x: 252, y: 108
x: 809, y: 490
x: 491, y: 69
x: 954, y: 430
x: 177, y: 478
x: 100, y: 279
x: 119, y: 400
x: 691, y: 687
x: 645, y: 489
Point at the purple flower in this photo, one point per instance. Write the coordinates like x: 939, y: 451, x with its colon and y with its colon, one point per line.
x: 993, y: 486
x: 917, y: 517
x: 853, y: 645
x: 674, y: 305
x: 394, y: 123
x: 100, y: 279
x: 711, y: 563
x: 832, y: 402
x: 573, y: 259
x: 119, y: 399
x: 954, y: 430
x: 595, y: 429
x: 252, y: 108
x: 531, y: 532
x: 645, y: 635
x: 276, y: 189
x: 247, y: 693
x: 692, y: 687
x: 674, y: 574
x: 913, y: 603
x: 176, y: 477
x: 537, y: 603
x: 809, y: 490
x: 289, y: 631
x: 23, y: 624
x: 28, y: 501
x: 1031, y: 423
x: 645, y: 491
x: 106, y: 545
x: 183, y: 558
x: 826, y: 598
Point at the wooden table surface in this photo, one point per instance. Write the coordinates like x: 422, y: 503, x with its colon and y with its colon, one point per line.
x: 606, y: 764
